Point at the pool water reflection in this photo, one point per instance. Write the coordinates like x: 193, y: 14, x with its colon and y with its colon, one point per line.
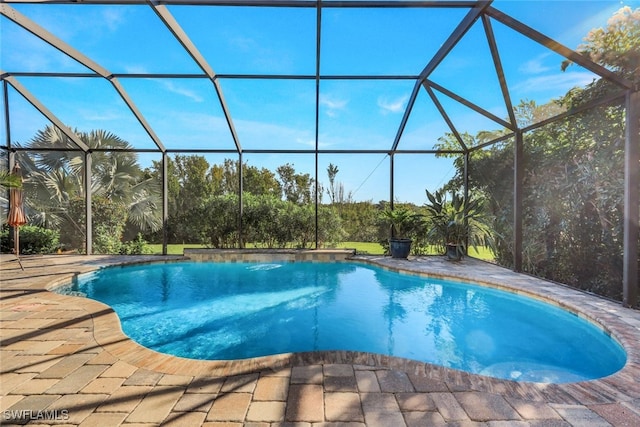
x: 222, y: 311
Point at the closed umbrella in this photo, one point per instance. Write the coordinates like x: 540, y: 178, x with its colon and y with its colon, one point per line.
x: 16, y: 216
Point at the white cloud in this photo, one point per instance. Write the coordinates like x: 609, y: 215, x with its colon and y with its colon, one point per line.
x: 246, y: 44
x: 201, y: 129
x: 113, y: 17
x: 257, y: 134
x: 102, y: 116
x: 536, y: 65
x: 172, y: 87
x: 559, y: 83
x: 258, y: 56
x: 306, y: 141
x: 24, y: 52
x: 332, y: 104
x: 392, y: 105
x: 135, y: 69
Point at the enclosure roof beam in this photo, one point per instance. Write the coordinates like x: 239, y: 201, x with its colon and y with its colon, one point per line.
x: 45, y: 111
x: 35, y: 29
x: 497, y: 62
x: 471, y: 105
x: 445, y: 116
x: 407, y: 113
x: 68, y: 50
x: 616, y: 96
x: 606, y: 100
x: 559, y: 48
x: 219, y: 76
x: 233, y: 151
x: 467, y: 22
x: 139, y: 116
x: 493, y: 141
x: 174, y: 27
x: 461, y: 29
x: 278, y: 3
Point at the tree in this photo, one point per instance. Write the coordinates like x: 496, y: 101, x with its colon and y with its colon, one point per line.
x: 528, y: 112
x: 255, y: 181
x: 616, y: 47
x: 573, y: 182
x: 296, y: 187
x: 56, y: 179
x: 332, y: 171
x: 189, y: 186
x: 260, y: 181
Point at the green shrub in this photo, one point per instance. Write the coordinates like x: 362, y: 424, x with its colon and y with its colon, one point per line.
x: 109, y: 220
x: 105, y: 241
x: 138, y: 246
x: 33, y: 240
x: 218, y: 223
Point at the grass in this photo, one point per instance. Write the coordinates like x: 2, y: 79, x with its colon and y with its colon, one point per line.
x: 482, y: 253
x: 174, y: 249
x: 368, y: 248
x: 376, y: 249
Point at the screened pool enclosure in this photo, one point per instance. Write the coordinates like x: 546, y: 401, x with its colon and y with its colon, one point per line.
x: 294, y: 123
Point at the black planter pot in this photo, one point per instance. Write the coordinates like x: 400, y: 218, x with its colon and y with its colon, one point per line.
x: 400, y: 248
x: 454, y: 252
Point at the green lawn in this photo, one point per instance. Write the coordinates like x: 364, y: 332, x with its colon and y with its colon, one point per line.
x: 376, y: 249
x: 481, y: 253
x: 363, y: 247
x: 360, y: 247
x: 174, y: 249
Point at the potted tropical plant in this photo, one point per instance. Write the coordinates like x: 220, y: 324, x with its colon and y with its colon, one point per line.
x: 401, y: 220
x: 456, y: 225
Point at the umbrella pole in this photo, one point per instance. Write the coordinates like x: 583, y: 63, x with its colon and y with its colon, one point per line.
x: 16, y: 242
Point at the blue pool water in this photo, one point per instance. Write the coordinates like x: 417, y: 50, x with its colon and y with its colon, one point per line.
x: 240, y: 310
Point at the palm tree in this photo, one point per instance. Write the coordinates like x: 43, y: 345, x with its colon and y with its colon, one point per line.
x: 55, y: 182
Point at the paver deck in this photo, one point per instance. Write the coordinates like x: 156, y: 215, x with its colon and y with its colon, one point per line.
x: 65, y: 361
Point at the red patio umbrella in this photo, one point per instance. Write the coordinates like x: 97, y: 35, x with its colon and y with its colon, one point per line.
x: 16, y: 216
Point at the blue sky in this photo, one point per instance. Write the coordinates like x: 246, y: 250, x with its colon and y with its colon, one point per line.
x: 280, y: 114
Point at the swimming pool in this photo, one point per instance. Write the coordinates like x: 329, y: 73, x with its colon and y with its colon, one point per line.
x: 221, y: 311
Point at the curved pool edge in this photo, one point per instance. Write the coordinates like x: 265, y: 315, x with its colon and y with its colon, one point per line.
x: 623, y: 324
x: 520, y: 287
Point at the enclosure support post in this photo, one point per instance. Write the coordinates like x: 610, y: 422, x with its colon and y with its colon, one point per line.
x: 11, y: 162
x: 165, y: 202
x: 316, y: 201
x: 317, y: 112
x: 240, y: 200
x: 391, y: 172
x: 7, y: 127
x: 631, y: 199
x: 11, y: 157
x: 465, y: 189
x: 518, y: 175
x: 87, y: 198
x: 465, y: 182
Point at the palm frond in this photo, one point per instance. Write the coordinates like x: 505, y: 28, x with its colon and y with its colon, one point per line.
x: 8, y: 180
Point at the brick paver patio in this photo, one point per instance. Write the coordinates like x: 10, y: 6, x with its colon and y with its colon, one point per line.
x: 64, y: 361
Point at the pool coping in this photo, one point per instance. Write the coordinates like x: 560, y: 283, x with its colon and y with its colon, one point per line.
x: 622, y: 323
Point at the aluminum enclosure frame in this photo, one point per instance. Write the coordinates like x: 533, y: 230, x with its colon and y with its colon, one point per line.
x: 476, y: 10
